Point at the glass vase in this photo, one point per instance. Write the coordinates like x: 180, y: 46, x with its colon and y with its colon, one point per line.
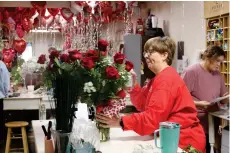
x: 84, y: 147
x: 61, y: 142
x: 104, y: 134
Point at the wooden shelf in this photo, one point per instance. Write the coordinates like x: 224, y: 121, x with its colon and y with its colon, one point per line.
x: 220, y: 35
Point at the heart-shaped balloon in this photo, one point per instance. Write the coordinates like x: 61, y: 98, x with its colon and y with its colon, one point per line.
x: 8, y: 65
x: 19, y: 31
x: 1, y: 17
x: 79, y: 17
x: 39, y: 5
x: 30, y: 12
x: 26, y: 25
x: 66, y: 14
x: 8, y: 55
x: 48, y: 22
x: 96, y: 18
x: 53, y: 11
x: 6, y: 15
x: 19, y: 45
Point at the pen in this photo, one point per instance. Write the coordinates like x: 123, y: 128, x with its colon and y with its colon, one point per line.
x: 49, y: 132
x: 44, y: 130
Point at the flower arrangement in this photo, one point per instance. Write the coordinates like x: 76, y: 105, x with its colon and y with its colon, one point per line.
x: 90, y: 77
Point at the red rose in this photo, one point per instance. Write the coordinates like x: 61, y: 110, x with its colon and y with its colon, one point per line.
x: 103, y: 42
x: 102, y: 45
x: 99, y: 109
x: 53, y: 54
x: 93, y: 54
x: 64, y: 58
x: 112, y: 73
x: 119, y: 58
x: 87, y: 63
x: 75, y: 55
x: 41, y: 59
x: 103, y: 53
x: 121, y: 94
x: 128, y: 65
x: 51, y: 66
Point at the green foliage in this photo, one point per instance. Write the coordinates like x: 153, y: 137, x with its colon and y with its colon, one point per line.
x: 190, y: 149
x: 15, y: 72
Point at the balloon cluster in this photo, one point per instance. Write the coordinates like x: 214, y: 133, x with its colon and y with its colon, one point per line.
x: 10, y: 54
x: 20, y: 21
x: 24, y: 19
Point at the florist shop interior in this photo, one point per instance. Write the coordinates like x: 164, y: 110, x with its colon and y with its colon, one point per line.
x: 94, y: 76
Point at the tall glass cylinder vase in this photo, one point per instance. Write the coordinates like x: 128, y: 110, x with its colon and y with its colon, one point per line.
x: 104, y: 134
x: 61, y: 142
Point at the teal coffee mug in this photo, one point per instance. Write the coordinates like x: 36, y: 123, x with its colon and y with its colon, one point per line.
x: 169, y: 137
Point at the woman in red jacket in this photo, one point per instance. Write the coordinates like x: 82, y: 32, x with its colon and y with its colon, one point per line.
x: 164, y: 98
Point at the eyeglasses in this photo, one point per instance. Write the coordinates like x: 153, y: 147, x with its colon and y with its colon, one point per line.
x: 147, y: 53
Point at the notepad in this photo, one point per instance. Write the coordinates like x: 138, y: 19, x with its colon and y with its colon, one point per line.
x: 82, y: 112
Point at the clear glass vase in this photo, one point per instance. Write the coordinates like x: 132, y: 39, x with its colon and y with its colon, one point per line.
x: 61, y: 142
x: 84, y: 147
x: 104, y: 134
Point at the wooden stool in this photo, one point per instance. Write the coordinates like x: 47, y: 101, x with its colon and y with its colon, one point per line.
x: 23, y: 136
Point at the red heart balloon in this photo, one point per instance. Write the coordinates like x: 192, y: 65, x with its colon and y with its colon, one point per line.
x: 8, y: 65
x: 26, y: 24
x: 19, y: 46
x: 39, y: 5
x: 66, y: 14
x: 19, y: 31
x: 1, y: 17
x: 10, y: 50
x: 53, y: 11
x: 8, y: 55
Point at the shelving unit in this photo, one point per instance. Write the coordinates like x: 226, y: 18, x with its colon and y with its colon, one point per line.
x: 218, y: 33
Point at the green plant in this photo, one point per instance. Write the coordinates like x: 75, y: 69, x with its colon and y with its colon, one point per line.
x: 190, y: 149
x: 15, y: 72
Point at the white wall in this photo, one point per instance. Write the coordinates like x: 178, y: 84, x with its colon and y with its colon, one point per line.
x: 182, y: 21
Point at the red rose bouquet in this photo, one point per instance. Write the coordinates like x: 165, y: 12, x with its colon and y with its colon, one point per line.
x: 104, y: 83
x: 104, y: 80
x: 90, y: 77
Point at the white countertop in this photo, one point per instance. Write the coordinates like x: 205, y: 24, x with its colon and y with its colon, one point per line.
x: 25, y: 96
x: 120, y: 141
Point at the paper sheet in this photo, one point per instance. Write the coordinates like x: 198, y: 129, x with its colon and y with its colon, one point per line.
x: 82, y: 112
x: 220, y: 98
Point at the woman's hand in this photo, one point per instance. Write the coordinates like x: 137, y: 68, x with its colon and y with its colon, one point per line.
x: 107, y: 122
x: 203, y: 104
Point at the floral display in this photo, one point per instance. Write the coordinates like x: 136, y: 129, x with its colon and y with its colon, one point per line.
x: 90, y: 77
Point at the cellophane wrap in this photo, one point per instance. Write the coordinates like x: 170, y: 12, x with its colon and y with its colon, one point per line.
x: 85, y: 131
